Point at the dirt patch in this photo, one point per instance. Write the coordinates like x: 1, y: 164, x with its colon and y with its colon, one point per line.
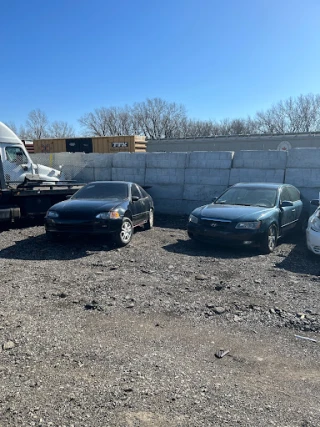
x: 92, y: 335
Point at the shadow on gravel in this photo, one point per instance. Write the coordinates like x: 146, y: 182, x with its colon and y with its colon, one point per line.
x: 39, y: 248
x: 301, y: 261
x: 193, y: 248
x: 171, y: 221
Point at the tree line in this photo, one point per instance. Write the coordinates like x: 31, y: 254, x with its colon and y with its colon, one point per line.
x: 157, y: 118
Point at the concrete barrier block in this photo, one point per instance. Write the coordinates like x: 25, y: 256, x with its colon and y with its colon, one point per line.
x: 102, y: 174
x: 303, y: 177
x: 169, y: 206
x: 166, y: 160
x: 129, y: 160
x: 69, y: 172
x: 99, y: 160
x: 210, y: 159
x: 260, y: 159
x: 170, y: 191
x: 176, y: 207
x: 207, y: 176
x: 128, y: 174
x: 84, y: 175
x: 202, y: 192
x: 308, y: 194
x: 187, y: 206
x: 304, y: 158
x: 256, y: 175
x: 164, y: 176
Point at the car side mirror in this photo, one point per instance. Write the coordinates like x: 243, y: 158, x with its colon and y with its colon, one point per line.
x: 286, y: 204
x: 135, y: 198
x: 214, y: 199
x: 315, y: 202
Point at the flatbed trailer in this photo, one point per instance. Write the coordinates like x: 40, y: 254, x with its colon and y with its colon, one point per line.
x: 31, y: 198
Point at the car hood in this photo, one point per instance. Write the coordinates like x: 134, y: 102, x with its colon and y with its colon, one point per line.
x: 85, y: 206
x: 234, y: 212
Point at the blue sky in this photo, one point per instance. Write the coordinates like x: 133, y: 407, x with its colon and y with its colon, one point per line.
x: 220, y: 58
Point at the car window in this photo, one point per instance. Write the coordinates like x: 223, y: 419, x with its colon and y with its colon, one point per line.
x: 135, y: 191
x: 143, y: 192
x: 103, y: 191
x: 294, y: 194
x: 249, y: 196
x: 285, y: 195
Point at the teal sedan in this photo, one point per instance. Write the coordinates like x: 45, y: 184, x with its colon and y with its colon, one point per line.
x: 248, y: 214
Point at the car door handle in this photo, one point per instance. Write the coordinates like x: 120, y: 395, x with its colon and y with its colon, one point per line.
x: 293, y: 210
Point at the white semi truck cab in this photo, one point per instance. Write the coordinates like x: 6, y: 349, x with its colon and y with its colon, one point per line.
x: 27, y: 190
x: 16, y: 162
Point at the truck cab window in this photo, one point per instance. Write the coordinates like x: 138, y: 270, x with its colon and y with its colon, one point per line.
x: 16, y: 155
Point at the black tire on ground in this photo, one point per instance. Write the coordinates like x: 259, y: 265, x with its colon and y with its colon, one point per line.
x: 149, y: 224
x: 269, y: 240
x: 124, y: 235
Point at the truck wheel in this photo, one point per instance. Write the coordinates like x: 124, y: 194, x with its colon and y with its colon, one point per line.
x: 124, y: 236
x: 269, y: 240
x: 149, y: 224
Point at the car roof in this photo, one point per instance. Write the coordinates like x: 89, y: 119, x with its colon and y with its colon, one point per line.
x: 271, y: 185
x: 111, y: 182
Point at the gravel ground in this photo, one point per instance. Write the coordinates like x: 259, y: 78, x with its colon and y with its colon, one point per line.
x: 92, y: 335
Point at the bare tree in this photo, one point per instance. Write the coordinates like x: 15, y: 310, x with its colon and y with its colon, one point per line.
x: 37, y: 124
x: 95, y: 123
x: 23, y: 134
x: 301, y: 114
x: 157, y: 118
x: 61, y: 129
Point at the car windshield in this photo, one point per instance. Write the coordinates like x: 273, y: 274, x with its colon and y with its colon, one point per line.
x: 103, y: 191
x: 249, y: 196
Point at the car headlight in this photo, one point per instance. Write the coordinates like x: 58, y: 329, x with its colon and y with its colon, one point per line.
x: 108, y: 215
x: 193, y: 218
x: 252, y: 225
x: 52, y: 214
x: 314, y: 222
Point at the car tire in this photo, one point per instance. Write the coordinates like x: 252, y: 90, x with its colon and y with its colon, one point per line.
x: 124, y: 235
x: 149, y: 224
x: 269, y: 240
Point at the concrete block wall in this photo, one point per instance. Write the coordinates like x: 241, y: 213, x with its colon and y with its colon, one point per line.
x: 207, y: 175
x: 129, y: 167
x: 179, y: 182
x: 165, y: 174
x: 258, y: 166
x: 303, y: 171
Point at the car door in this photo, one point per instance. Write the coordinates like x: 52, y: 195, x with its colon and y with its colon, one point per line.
x: 137, y: 205
x: 146, y: 202
x: 287, y: 212
x: 296, y: 200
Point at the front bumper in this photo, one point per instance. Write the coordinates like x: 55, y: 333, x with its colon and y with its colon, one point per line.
x: 313, y: 241
x: 82, y: 226
x: 232, y: 237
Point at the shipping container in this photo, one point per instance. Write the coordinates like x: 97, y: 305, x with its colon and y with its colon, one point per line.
x: 98, y: 144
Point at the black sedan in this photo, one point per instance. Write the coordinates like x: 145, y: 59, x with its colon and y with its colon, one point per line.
x: 102, y: 207
x: 248, y: 213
